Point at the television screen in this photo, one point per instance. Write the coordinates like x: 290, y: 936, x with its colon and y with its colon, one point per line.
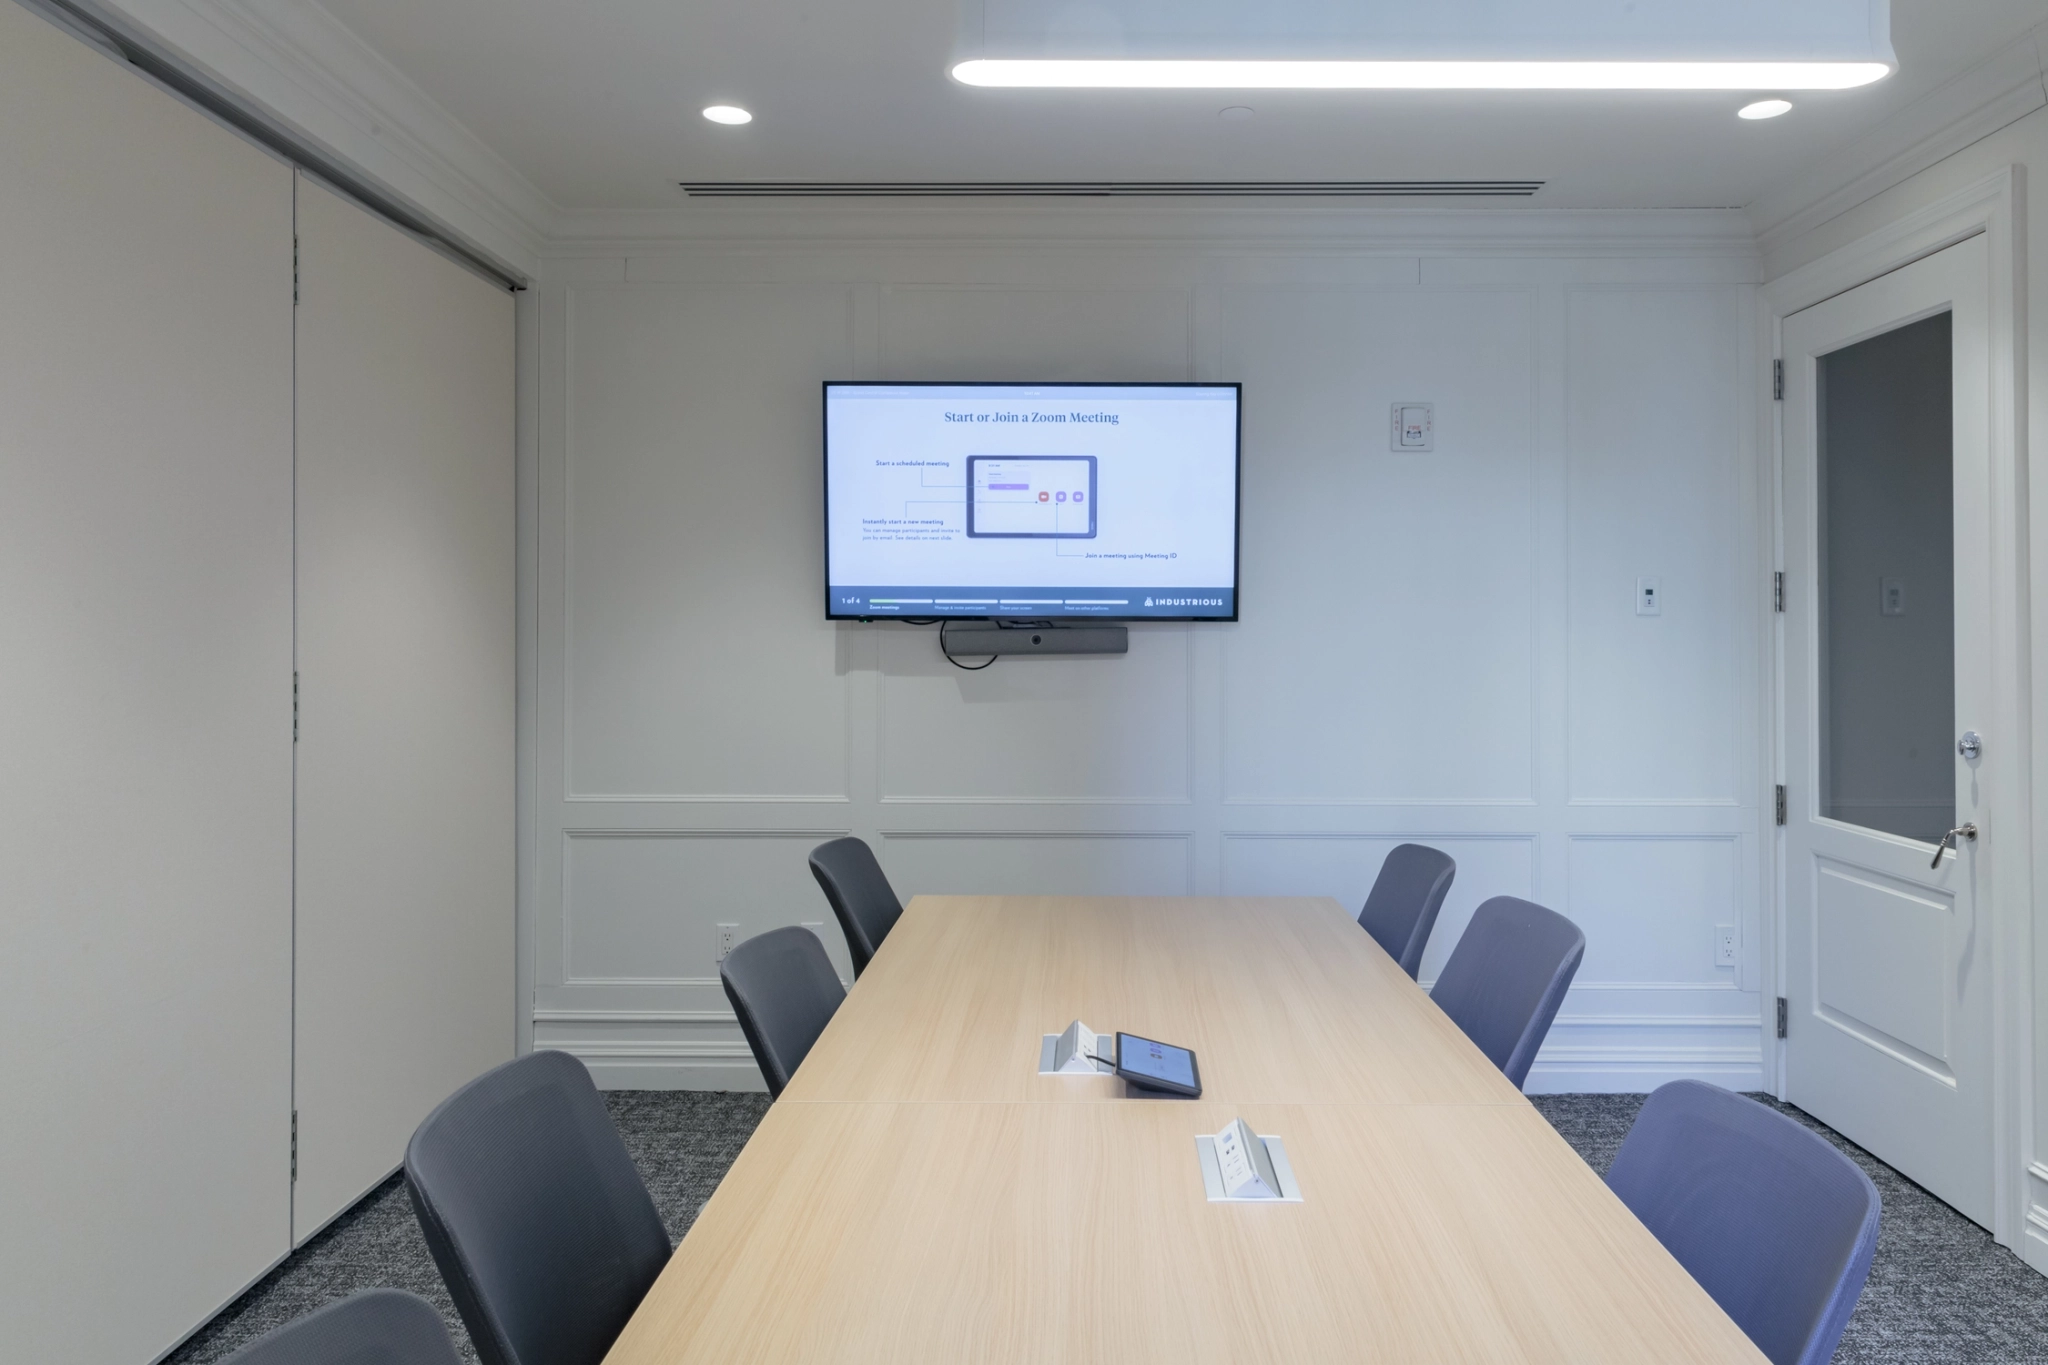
x: 1031, y: 501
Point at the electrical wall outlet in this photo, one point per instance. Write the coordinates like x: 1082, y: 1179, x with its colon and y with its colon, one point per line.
x: 728, y: 939
x: 1891, y: 596
x: 1649, y: 597
x: 1724, y: 945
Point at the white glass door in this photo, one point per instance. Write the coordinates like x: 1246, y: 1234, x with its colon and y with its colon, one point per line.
x: 1887, y: 668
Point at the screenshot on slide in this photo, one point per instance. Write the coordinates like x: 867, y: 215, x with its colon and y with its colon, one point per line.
x: 1031, y: 501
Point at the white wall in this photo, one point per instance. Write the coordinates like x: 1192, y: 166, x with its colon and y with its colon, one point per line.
x: 2020, y: 147
x: 403, y: 559
x: 145, y: 708
x: 1439, y: 647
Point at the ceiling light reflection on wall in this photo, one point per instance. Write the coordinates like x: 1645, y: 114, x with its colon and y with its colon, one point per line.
x: 728, y: 113
x: 1425, y: 44
x: 1764, y: 109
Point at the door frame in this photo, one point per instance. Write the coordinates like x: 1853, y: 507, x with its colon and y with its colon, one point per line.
x: 1987, y: 208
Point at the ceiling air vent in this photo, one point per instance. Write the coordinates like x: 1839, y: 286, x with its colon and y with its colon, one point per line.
x: 1069, y: 189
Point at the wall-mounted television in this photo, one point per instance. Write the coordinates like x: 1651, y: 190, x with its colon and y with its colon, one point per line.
x: 1031, y: 501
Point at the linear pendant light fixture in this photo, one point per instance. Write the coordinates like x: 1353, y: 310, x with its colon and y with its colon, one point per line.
x: 1426, y: 44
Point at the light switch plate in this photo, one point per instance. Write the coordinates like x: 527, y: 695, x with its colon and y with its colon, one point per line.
x: 1649, y: 597
x: 1413, y: 427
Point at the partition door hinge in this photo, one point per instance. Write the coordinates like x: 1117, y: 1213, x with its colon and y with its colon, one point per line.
x: 1777, y: 379
x: 295, y: 706
x: 1778, y: 591
x: 1784, y: 1015
x: 1778, y: 802
x: 295, y: 1131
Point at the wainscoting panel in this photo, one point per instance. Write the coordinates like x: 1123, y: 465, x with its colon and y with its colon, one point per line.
x: 994, y: 333
x: 1040, y: 864
x: 1653, y: 444
x: 1387, y: 650
x: 642, y: 908
x: 1079, y: 730
x: 1345, y: 865
x: 699, y: 665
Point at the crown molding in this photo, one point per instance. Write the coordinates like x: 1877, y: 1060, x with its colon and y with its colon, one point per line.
x: 2007, y: 86
x: 1293, y: 225
x: 314, y: 78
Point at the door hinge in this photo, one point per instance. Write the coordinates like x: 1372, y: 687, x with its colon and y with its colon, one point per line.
x: 1784, y: 1015
x: 295, y: 706
x: 1778, y: 591
x: 1778, y: 802
x: 295, y: 1136
x: 1777, y: 378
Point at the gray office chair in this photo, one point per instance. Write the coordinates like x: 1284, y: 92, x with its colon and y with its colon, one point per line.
x: 1507, y: 977
x: 534, y: 1213
x: 1405, y: 898
x: 784, y: 990
x: 375, y: 1327
x: 1763, y: 1212
x: 861, y: 896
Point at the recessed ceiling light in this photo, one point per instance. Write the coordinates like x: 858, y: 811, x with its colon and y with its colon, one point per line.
x: 1764, y: 109
x: 1178, y: 74
x: 728, y: 113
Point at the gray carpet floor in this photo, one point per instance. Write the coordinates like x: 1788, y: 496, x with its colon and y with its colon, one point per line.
x: 1940, y: 1291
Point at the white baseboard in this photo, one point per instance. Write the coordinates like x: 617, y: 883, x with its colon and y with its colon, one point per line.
x: 654, y: 1073
x: 653, y: 1049
x: 1636, y: 1075
x: 1636, y: 1053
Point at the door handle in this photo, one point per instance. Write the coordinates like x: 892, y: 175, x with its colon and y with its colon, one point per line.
x: 1948, y: 840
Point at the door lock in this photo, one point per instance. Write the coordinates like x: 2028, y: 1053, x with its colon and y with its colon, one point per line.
x: 1948, y: 840
x: 1970, y: 745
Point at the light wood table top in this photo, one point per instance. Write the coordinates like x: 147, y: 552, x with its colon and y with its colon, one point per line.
x: 921, y: 1194
x: 954, y: 1232
x: 1283, y: 1000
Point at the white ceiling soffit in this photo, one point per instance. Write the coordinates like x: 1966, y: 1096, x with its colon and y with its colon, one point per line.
x: 291, y: 66
x: 1426, y: 44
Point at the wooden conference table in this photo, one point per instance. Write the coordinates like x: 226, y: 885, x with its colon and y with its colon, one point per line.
x: 919, y: 1193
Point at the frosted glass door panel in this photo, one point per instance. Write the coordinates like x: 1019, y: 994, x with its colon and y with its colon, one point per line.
x: 1887, y: 541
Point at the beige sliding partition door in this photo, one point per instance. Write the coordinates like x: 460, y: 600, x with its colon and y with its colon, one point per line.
x: 405, y: 521
x: 145, y: 708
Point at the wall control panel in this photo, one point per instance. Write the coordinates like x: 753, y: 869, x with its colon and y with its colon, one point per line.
x: 1414, y: 427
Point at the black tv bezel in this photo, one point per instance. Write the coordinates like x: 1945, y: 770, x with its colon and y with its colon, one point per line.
x: 1236, y: 480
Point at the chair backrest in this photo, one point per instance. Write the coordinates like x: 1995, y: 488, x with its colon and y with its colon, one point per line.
x: 861, y: 896
x: 1775, y: 1224
x: 1507, y: 977
x: 784, y: 990
x: 1402, y: 908
x: 375, y: 1327
x: 535, y: 1214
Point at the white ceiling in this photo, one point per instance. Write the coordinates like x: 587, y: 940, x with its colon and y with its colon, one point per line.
x: 596, y: 102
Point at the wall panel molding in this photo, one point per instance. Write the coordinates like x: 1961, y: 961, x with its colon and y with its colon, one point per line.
x: 1175, y: 769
